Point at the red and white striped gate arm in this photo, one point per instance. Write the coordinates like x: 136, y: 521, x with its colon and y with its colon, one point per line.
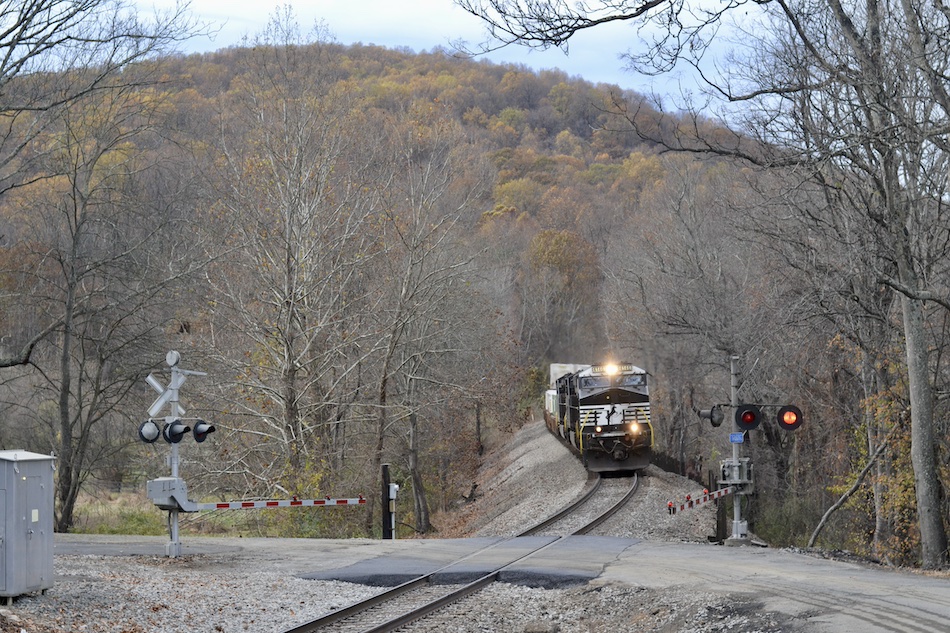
x: 280, y: 503
x: 706, y: 497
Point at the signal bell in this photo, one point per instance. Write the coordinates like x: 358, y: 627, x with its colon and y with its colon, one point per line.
x: 714, y: 415
x: 790, y: 417
x: 748, y: 417
x: 149, y: 431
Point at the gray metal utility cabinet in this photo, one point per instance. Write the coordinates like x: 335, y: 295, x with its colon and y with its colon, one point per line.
x: 26, y: 531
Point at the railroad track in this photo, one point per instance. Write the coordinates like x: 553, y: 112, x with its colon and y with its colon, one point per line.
x: 415, y: 599
x: 601, y: 501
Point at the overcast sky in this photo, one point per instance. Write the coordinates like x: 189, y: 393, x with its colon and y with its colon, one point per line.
x: 419, y: 25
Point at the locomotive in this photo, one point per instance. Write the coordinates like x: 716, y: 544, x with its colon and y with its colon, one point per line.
x: 602, y: 412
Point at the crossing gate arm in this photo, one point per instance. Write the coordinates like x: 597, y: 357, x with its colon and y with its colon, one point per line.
x: 706, y: 497
x: 280, y: 503
x: 171, y: 493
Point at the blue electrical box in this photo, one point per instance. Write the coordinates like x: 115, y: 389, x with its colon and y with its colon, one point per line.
x: 26, y: 528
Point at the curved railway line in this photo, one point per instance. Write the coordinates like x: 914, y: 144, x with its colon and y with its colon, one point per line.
x: 406, y: 603
x: 602, y: 500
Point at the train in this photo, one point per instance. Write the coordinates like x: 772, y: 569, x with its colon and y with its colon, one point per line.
x: 602, y: 413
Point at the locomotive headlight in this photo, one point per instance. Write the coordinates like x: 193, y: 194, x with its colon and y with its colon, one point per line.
x: 634, y: 427
x: 611, y: 369
x: 598, y: 429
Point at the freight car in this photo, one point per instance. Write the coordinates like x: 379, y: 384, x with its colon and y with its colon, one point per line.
x: 602, y: 412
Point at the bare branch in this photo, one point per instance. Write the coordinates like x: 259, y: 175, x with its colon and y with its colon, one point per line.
x: 23, y: 357
x: 543, y: 24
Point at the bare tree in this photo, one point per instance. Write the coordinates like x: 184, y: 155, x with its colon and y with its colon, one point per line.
x: 873, y: 136
x: 687, y: 291
x: 559, y: 295
x: 432, y: 184
x: 54, y: 53
x: 291, y: 292
x: 104, y: 236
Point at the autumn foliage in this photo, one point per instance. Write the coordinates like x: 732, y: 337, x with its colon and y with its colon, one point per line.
x: 370, y: 251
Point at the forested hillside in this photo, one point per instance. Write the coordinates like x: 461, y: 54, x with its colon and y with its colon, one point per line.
x: 374, y: 255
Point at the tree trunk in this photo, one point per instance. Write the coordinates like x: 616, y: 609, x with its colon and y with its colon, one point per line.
x: 420, y: 504
x: 291, y: 421
x: 66, y: 467
x: 381, y: 418
x: 377, y: 462
x: 876, y: 383
x: 933, y: 537
x: 478, y: 428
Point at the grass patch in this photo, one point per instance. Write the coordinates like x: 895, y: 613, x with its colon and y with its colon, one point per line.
x: 118, y: 513
x: 135, y: 515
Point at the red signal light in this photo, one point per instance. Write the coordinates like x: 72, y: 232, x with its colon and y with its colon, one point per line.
x: 790, y: 417
x: 201, y: 430
x: 748, y: 417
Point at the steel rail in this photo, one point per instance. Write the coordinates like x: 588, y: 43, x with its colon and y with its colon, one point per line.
x: 569, y: 508
x: 612, y: 510
x: 454, y: 596
x: 487, y: 579
x: 363, y: 605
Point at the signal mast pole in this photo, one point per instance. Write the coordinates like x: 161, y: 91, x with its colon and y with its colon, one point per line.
x: 173, y: 548
x: 737, y: 535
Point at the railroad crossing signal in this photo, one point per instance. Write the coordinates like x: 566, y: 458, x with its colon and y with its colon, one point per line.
x: 149, y: 431
x: 201, y: 430
x: 737, y: 472
x: 790, y: 417
x: 174, y: 431
x: 174, y: 428
x: 748, y: 417
x: 167, y: 394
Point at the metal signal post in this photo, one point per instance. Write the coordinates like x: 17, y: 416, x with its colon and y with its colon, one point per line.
x: 735, y: 472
